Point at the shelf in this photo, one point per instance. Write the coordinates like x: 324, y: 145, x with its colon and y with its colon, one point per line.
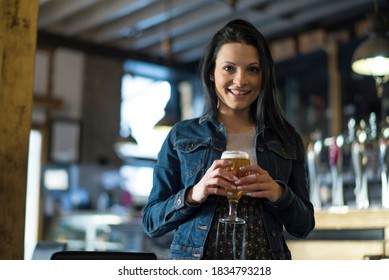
x: 344, y: 218
x: 88, y: 230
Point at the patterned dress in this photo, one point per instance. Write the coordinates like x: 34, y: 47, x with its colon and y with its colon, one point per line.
x: 229, y: 241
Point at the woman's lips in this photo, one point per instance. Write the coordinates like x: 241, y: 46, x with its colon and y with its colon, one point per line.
x: 238, y: 92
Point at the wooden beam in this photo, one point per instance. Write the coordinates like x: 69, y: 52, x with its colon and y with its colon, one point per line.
x: 47, y: 102
x: 18, y: 29
x: 51, y: 40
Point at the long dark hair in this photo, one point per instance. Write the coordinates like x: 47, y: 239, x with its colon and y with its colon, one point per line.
x: 266, y: 111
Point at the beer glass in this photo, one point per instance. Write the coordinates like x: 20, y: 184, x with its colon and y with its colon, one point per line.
x: 238, y: 159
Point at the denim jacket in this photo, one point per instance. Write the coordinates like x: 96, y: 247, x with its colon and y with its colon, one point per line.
x: 188, y: 151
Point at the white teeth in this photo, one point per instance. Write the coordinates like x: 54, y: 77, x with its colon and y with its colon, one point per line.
x: 238, y: 92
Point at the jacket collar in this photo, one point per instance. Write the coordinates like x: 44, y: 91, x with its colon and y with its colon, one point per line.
x: 209, y: 118
x: 213, y: 119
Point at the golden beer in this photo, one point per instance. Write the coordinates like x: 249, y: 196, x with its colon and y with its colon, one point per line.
x: 238, y: 159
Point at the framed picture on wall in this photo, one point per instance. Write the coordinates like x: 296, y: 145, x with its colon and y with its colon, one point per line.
x: 65, y: 140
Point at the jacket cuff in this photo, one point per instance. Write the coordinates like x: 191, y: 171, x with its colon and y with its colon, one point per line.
x: 282, y: 201
x: 186, y: 202
x: 181, y: 205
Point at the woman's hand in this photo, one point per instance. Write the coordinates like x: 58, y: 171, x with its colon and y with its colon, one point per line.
x: 259, y: 184
x: 215, y: 181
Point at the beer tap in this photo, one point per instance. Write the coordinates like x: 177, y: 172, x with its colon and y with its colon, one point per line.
x: 384, y: 160
x: 373, y: 131
x: 351, y: 131
x: 335, y: 156
x: 360, y: 160
x: 313, y: 157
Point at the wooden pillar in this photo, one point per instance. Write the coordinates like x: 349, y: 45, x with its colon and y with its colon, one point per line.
x: 335, y: 89
x: 18, y: 31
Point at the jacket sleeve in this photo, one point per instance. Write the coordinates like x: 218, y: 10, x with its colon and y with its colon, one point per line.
x: 166, y: 208
x: 294, y: 210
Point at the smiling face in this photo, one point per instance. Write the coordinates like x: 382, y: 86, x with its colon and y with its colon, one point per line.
x: 237, y: 77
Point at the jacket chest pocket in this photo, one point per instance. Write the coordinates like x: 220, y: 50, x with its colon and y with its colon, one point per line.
x: 280, y: 160
x: 192, y: 154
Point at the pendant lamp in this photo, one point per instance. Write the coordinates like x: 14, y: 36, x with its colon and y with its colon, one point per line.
x: 371, y: 58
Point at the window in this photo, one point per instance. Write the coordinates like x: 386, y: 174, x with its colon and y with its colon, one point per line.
x: 143, y: 104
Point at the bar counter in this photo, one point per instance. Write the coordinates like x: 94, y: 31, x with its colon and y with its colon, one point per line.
x: 345, y: 233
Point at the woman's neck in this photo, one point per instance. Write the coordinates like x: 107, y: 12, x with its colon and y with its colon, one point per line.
x: 236, y: 123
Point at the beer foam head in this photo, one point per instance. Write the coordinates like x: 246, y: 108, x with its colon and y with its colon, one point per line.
x: 235, y: 154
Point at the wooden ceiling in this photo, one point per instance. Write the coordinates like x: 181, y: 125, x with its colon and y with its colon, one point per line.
x: 180, y: 29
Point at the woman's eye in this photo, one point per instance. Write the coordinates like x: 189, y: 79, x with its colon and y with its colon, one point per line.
x: 228, y: 68
x: 254, y: 69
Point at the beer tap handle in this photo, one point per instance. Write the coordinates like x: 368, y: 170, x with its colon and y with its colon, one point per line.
x: 313, y: 155
x: 373, y: 127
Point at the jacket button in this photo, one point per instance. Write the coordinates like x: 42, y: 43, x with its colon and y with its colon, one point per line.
x: 260, y: 149
x: 273, y: 233
x: 202, y: 227
x: 179, y: 201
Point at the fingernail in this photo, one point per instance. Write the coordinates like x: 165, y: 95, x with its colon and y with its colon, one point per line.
x: 243, y: 168
x: 237, y: 182
x: 249, y: 194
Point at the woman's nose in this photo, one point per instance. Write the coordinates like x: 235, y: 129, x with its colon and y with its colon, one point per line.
x: 240, y: 78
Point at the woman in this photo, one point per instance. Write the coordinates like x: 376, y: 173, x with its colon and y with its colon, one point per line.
x: 241, y: 113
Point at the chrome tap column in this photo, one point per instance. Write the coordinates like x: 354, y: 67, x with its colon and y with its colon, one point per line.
x: 313, y: 157
x: 359, y: 161
x: 384, y: 161
x: 336, y: 162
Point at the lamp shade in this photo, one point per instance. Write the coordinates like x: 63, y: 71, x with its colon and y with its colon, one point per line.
x: 372, y: 56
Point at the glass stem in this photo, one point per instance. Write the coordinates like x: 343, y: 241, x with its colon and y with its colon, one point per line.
x: 233, y: 209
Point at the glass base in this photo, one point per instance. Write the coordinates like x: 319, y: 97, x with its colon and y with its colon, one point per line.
x: 232, y: 220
